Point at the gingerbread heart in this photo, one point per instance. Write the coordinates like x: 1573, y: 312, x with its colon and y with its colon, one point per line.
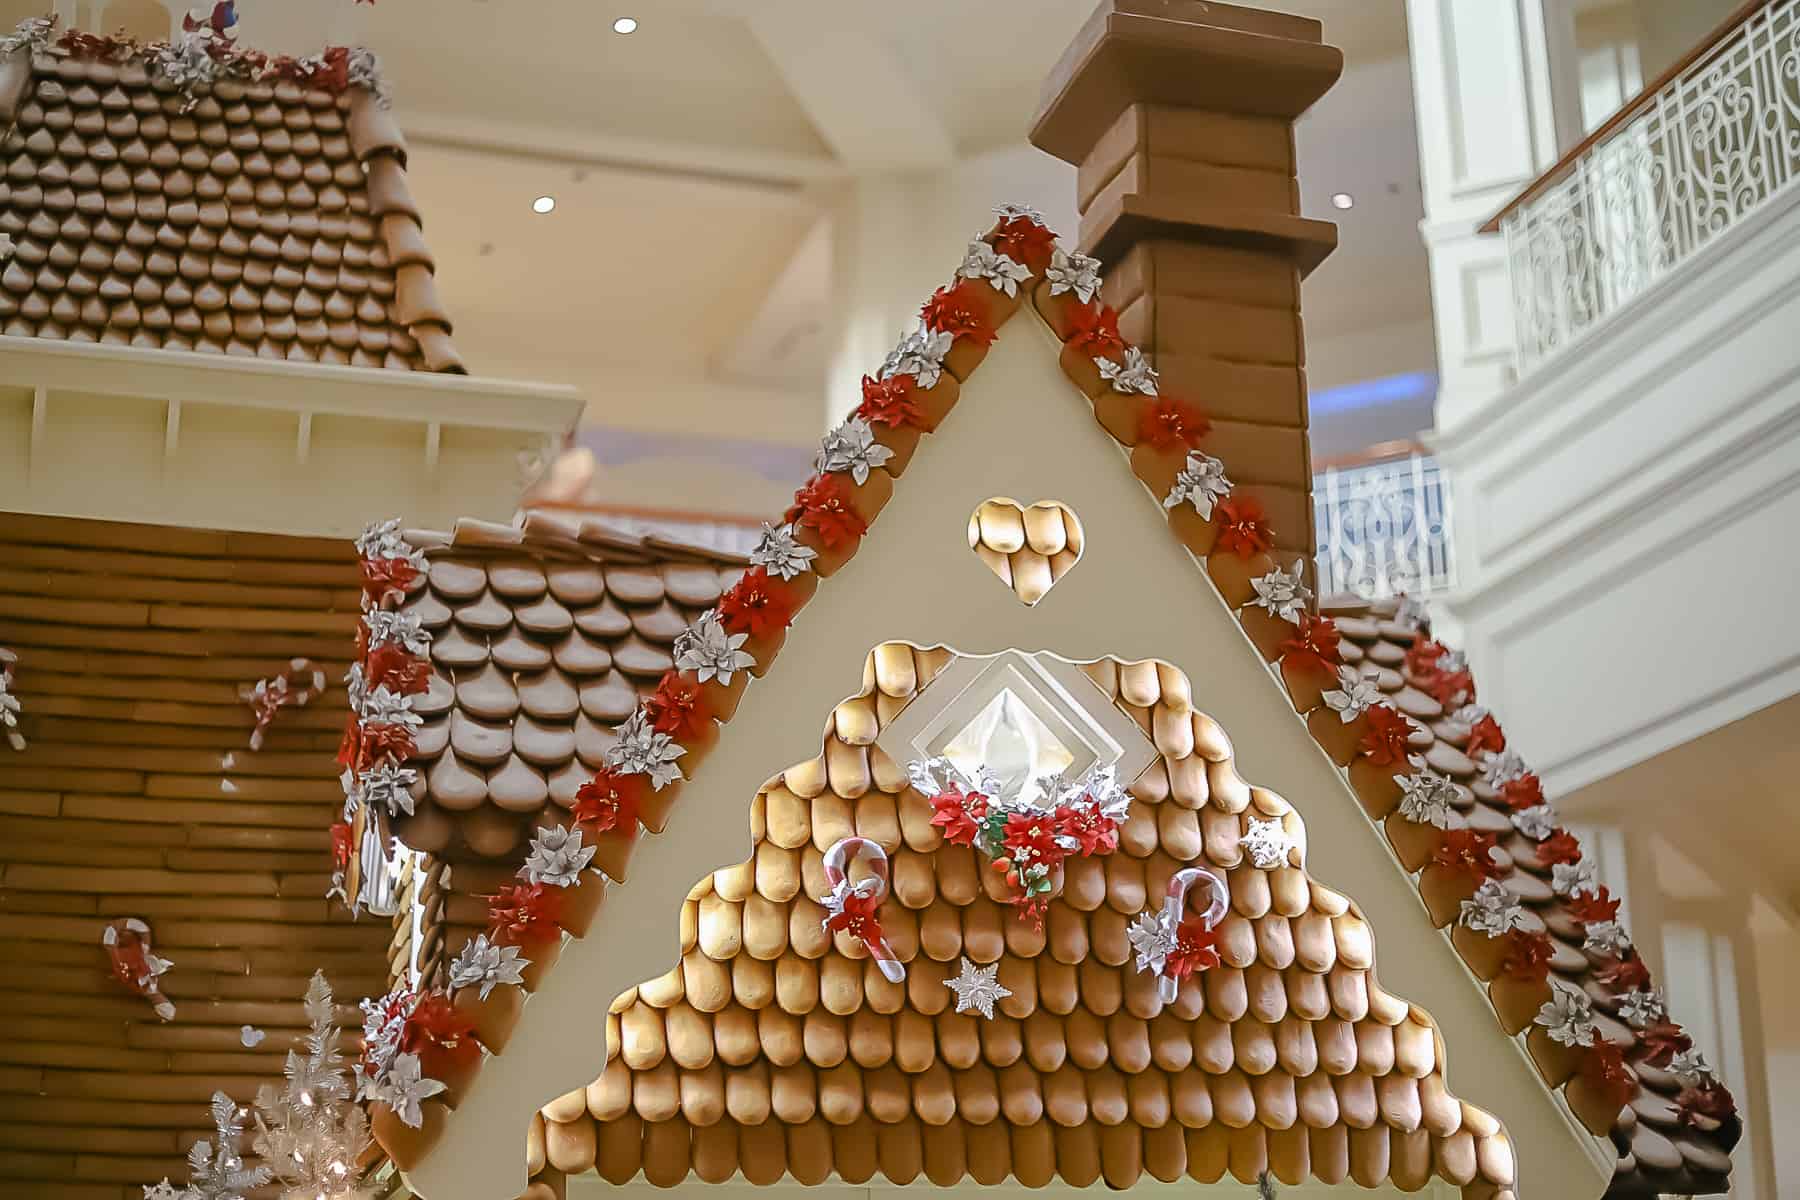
x: 1027, y: 549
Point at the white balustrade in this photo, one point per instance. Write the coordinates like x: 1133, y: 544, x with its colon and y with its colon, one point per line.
x: 1384, y: 529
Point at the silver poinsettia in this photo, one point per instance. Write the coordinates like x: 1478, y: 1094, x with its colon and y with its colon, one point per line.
x: 1017, y: 212
x: 557, y: 857
x: 641, y: 750
x: 709, y: 651
x: 1606, y: 937
x: 1501, y: 769
x: 1356, y: 693
x: 1642, y: 1009
x: 1135, y: 374
x: 483, y: 964
x: 404, y: 1087
x: 1268, y: 844
x: 852, y: 447
x: 1201, y: 483
x: 1426, y: 798
x: 383, y: 540
x: 384, y: 706
x: 1574, y: 879
x: 1281, y: 594
x: 388, y: 627
x: 1452, y: 661
x: 1493, y: 910
x: 1537, y: 822
x: 1077, y: 273
x: 779, y: 553
x: 919, y: 354
x: 1690, y: 1066
x: 1568, y: 1016
x: 1411, y: 612
x: 1001, y: 273
x: 1153, y: 939
x: 1470, y: 714
x: 388, y: 786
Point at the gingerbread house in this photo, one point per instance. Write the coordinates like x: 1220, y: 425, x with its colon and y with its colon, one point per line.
x: 1086, y: 878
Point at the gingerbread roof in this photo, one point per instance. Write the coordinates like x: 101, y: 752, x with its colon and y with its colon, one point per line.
x: 258, y: 209
x: 136, y: 795
x: 776, y: 1048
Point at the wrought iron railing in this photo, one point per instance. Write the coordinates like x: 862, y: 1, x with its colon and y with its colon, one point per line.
x: 1688, y: 162
x: 1384, y: 529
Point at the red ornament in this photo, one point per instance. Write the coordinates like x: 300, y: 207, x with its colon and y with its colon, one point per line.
x: 1196, y: 949
x: 757, y: 604
x: 823, y: 505
x: 1167, y: 423
x: 610, y: 802
x: 1662, y: 1041
x: 1467, y: 852
x: 390, y: 666
x: 955, y: 311
x: 1314, y: 644
x: 1386, y: 740
x: 1527, y: 956
x: 1705, y: 1105
x: 1485, y: 735
x: 1591, y: 908
x: 1025, y: 241
x: 525, y: 914
x: 958, y: 814
x: 1624, y: 975
x: 441, y: 1035
x: 1243, y: 527
x: 890, y: 402
x: 1603, y: 1069
x: 1559, y: 847
x: 1094, y: 330
x: 858, y: 917
x: 1527, y: 791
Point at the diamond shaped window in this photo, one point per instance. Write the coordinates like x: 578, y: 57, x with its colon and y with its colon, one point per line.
x: 1008, y: 739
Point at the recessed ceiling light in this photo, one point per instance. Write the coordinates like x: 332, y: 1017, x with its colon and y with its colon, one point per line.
x: 625, y: 25
x: 1342, y: 200
x: 543, y: 204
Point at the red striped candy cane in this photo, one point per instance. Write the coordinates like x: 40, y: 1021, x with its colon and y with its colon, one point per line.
x: 1175, y: 904
x: 851, y: 907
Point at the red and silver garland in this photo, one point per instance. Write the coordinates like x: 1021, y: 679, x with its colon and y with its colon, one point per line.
x: 1172, y: 945
x: 854, y: 908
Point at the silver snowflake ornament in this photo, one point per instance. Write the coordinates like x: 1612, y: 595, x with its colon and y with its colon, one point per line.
x: 1642, y: 1009
x: 1201, y: 483
x: 1355, y: 694
x: 388, y: 627
x: 1281, y: 594
x: 706, y: 649
x: 779, y: 553
x: 1267, y: 843
x: 978, y: 988
x: 1135, y: 374
x: 1574, y: 879
x: 482, y: 963
x: 1502, y: 769
x: 641, y: 750
x: 1426, y: 798
x: 919, y: 354
x: 389, y: 786
x: 1001, y: 272
x: 1606, y: 937
x: 557, y: 857
x: 1536, y: 822
x: 1153, y: 939
x: 852, y: 447
x: 1077, y: 273
x: 404, y: 1087
x: 1568, y: 1016
x: 1492, y: 910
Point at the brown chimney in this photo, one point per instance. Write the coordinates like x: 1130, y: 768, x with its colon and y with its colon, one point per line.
x: 1179, y: 117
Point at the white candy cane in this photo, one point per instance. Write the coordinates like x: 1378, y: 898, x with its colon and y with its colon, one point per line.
x: 837, y: 862
x: 1176, y: 903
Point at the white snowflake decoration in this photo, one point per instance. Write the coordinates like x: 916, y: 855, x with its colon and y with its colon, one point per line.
x: 641, y: 750
x: 1152, y: 939
x: 1493, y: 910
x: 852, y: 447
x: 1536, y: 822
x: 978, y: 988
x: 1267, y: 843
x: 919, y: 354
x: 1502, y: 769
x: 1018, y: 212
x: 1574, y: 879
x: 1426, y: 798
x: 707, y: 650
x: 1135, y: 374
x: 1568, y: 1016
x: 1690, y: 1066
x: 1281, y: 594
x: 389, y: 627
x: 1201, y: 483
x: 1077, y: 273
x: 1355, y: 694
x: 389, y: 786
x: 1002, y: 273
x: 1606, y: 937
x: 779, y: 553
x: 404, y: 1087
x: 481, y: 962
x: 557, y: 857
x: 1642, y: 1009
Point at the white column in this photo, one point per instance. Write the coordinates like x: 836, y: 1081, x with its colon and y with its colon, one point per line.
x: 1497, y: 90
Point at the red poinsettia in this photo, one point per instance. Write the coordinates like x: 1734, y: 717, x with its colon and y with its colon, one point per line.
x: 757, y: 604
x: 1385, y: 741
x: 1031, y: 837
x: 1662, y: 1041
x: 1451, y: 688
x: 1527, y: 955
x: 384, y: 741
x: 1467, y: 852
x: 441, y: 1034
x: 891, y: 402
x: 1485, y: 735
x: 954, y: 310
x: 1094, y: 330
x: 1025, y: 241
x: 1527, y: 791
x: 385, y: 577
x: 341, y: 835
x: 1422, y: 656
x: 1559, y: 847
x: 1624, y: 975
x: 350, y: 745
x: 1167, y: 423
x: 1705, y: 1105
x: 1093, y: 830
x: 392, y: 667
x: 858, y: 917
x: 1243, y: 527
x: 525, y: 914
x: 1603, y: 1069
x: 1314, y: 644
x: 958, y: 815
x: 1591, y: 908
x: 678, y: 708
x: 610, y: 802
x: 823, y: 504
x: 1196, y: 949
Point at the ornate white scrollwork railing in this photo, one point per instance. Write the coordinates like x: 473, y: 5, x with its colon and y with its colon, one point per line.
x: 1384, y: 529
x: 1699, y: 157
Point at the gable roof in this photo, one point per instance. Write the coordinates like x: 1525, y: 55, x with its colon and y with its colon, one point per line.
x: 259, y: 210
x: 1218, y: 524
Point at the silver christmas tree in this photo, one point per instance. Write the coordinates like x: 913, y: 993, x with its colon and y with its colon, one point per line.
x: 310, y: 1131
x: 215, y: 1172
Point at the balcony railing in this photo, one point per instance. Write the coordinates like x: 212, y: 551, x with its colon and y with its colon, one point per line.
x: 1384, y: 529
x: 1696, y: 155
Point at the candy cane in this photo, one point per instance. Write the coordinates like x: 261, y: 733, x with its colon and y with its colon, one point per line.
x: 296, y: 684
x: 875, y: 887
x: 127, y: 942
x: 1175, y: 903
